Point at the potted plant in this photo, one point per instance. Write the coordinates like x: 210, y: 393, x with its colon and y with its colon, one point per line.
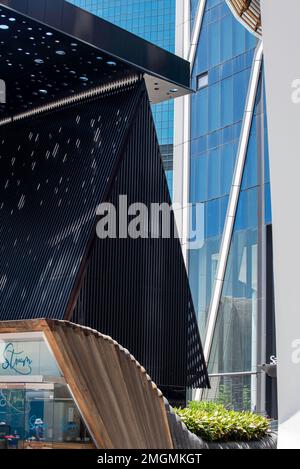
x: 221, y: 428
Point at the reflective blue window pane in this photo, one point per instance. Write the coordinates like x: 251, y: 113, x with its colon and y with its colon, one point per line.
x: 226, y: 38
x: 250, y: 171
x: 199, y: 179
x: 227, y: 102
x: 201, y: 59
x: 213, y: 218
x: 212, y: 3
x: 227, y: 134
x: 238, y: 38
x: 247, y: 213
x: 202, y: 144
x: 249, y: 57
x: 214, y: 43
x: 214, y: 140
x: 223, y: 211
x: 192, y: 180
x: 227, y: 167
x: 194, y: 118
x: 241, y: 216
x: 237, y: 128
x: 239, y: 63
x: 214, y: 169
x: 226, y: 69
x: 202, y: 179
x: 240, y: 85
x: 251, y: 41
x: 214, y: 75
x: 252, y: 208
x: 259, y: 102
x: 214, y: 113
x: 202, y: 119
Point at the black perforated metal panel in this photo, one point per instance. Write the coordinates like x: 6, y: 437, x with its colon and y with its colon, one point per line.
x: 137, y: 291
x: 54, y: 171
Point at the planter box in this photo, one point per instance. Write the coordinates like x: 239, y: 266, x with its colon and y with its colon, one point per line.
x: 184, y: 439
x: 270, y: 442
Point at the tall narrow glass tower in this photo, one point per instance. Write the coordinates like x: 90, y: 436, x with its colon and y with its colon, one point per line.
x: 231, y: 274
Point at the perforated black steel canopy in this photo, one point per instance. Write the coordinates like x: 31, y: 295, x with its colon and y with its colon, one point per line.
x: 50, y: 49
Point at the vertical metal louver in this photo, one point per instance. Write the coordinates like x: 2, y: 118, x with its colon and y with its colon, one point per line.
x: 147, y: 306
x: 52, y: 178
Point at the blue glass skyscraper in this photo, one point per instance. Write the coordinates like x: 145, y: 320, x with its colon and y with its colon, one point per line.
x: 153, y: 20
x: 221, y: 75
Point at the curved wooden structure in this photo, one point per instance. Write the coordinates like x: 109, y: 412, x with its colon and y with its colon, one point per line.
x: 119, y: 403
x: 248, y: 13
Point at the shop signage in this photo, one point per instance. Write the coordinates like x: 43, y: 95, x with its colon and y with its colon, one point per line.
x: 30, y: 358
x: 17, y: 362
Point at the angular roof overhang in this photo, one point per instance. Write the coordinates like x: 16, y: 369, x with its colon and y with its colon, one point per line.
x: 248, y: 13
x: 50, y: 49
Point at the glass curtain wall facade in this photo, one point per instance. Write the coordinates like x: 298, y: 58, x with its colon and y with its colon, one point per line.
x: 221, y: 76
x: 153, y: 20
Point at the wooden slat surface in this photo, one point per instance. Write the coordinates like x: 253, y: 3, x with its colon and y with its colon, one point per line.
x: 249, y: 12
x: 120, y: 404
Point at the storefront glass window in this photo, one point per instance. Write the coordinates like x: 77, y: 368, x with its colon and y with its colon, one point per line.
x: 36, y: 407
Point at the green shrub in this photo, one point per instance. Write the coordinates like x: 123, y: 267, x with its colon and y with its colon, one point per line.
x: 213, y: 422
